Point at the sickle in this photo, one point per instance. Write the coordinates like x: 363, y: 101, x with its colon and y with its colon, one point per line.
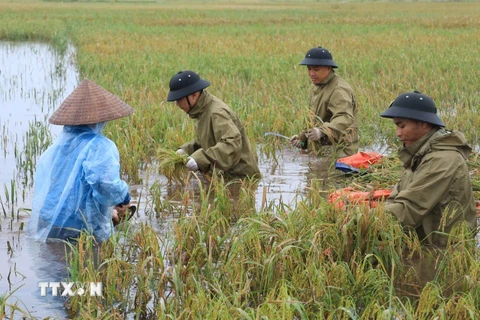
x: 276, y: 135
x: 132, y: 209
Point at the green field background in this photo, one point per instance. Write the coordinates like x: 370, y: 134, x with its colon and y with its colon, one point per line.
x: 250, y: 52
x: 227, y: 259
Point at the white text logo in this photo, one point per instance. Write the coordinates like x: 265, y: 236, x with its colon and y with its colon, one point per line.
x: 71, y: 288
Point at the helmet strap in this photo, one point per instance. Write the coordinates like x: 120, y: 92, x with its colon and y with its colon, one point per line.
x: 189, y: 104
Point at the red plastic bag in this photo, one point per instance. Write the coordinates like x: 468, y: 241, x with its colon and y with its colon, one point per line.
x: 360, y: 160
x: 350, y: 196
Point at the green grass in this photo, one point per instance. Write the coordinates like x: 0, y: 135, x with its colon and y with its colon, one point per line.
x: 226, y: 260
x: 250, y: 52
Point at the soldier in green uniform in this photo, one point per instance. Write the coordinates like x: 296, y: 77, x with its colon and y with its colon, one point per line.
x: 334, y: 104
x: 435, y: 190
x: 221, y: 145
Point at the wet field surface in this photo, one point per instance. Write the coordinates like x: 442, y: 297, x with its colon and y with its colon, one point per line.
x: 26, y: 262
x: 29, y: 93
x: 34, y: 79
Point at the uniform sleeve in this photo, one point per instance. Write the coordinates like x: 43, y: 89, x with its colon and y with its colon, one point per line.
x: 431, y: 181
x: 303, y: 135
x: 190, y: 147
x: 227, y: 151
x: 102, y: 173
x: 341, y: 106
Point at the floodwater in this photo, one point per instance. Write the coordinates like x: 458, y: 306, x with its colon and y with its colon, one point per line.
x: 34, y: 80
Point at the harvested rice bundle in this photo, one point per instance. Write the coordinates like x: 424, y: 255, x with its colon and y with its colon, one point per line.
x: 172, y: 165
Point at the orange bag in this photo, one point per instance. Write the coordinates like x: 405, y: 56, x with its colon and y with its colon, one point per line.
x: 350, y: 196
x: 360, y: 160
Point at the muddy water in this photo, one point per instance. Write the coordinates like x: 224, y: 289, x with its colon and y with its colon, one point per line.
x: 30, y: 262
x: 283, y: 181
x: 34, y: 80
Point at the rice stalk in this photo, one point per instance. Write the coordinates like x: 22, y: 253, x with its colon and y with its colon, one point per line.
x: 172, y: 165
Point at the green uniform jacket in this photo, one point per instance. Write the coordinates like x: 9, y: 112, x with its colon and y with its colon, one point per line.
x: 334, y: 102
x: 221, y: 140
x: 435, y: 190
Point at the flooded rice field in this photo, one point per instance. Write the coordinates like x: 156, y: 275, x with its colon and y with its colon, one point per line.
x: 34, y: 80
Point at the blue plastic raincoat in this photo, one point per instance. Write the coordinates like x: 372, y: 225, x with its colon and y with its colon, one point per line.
x: 77, y: 183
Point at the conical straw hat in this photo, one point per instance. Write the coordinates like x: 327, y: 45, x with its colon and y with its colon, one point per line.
x: 90, y: 103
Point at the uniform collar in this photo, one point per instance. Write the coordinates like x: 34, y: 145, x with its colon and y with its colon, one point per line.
x: 199, y: 107
x: 406, y: 154
x: 329, y: 78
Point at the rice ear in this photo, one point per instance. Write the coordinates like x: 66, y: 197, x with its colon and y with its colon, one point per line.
x: 172, y: 165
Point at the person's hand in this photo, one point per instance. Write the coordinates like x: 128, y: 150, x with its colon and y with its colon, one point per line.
x: 315, y: 134
x: 192, y: 164
x: 115, y: 217
x: 122, y: 209
x: 295, y: 141
x: 119, y: 212
x: 181, y: 152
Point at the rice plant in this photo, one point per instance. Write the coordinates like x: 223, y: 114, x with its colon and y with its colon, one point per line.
x: 172, y: 165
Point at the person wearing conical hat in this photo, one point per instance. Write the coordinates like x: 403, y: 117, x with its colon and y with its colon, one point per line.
x: 77, y: 182
x: 221, y: 145
x: 334, y: 105
x: 435, y: 191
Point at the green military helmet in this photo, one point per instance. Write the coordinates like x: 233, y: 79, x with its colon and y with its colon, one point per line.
x: 185, y: 83
x: 416, y: 106
x: 319, y: 57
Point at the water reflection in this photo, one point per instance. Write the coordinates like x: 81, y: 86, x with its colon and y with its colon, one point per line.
x: 34, y: 80
x: 35, y: 262
x: 284, y: 183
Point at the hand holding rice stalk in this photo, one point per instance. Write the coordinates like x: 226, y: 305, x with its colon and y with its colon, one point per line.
x: 122, y: 214
x: 326, y: 130
x: 314, y: 121
x: 172, y: 165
